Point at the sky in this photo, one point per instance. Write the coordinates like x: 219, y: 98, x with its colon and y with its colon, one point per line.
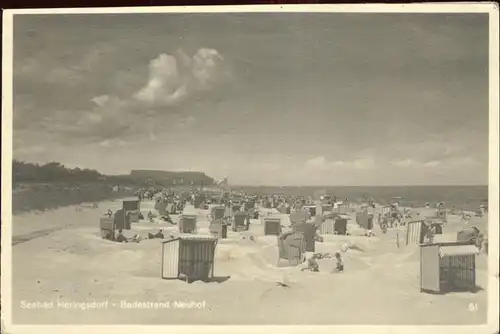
x: 263, y: 98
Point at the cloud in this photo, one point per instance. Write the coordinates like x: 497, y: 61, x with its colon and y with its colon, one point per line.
x: 172, y: 81
x: 442, y: 150
x: 264, y: 167
x: 101, y: 100
x: 165, y: 85
x: 68, y: 107
x: 111, y: 143
x: 446, y: 162
x: 152, y: 137
x: 321, y: 164
x: 206, y: 67
x: 174, y: 78
x: 465, y: 161
x: 364, y: 163
x: 108, y: 119
x: 186, y: 122
x: 27, y: 67
x: 318, y: 163
x: 68, y: 76
x: 404, y: 163
x: 67, y: 69
x: 453, y: 162
x: 433, y: 163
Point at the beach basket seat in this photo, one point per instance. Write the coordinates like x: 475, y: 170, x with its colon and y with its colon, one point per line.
x: 291, y: 247
x: 272, y: 226
x: 238, y: 222
x: 469, y: 235
x: 161, y: 207
x: 308, y: 232
x: 132, y: 208
x: 250, y: 205
x: 218, y: 229
x: 188, y: 257
x: 121, y: 221
x: 107, y: 228
x: 218, y: 212
x: 187, y: 224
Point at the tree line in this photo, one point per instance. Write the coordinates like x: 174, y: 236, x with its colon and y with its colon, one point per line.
x: 52, y: 172
x: 27, y: 172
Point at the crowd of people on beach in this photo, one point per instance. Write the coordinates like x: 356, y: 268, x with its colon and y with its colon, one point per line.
x: 393, y: 218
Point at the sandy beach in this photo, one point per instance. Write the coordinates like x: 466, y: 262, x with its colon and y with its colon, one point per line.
x: 374, y: 126
x: 67, y: 263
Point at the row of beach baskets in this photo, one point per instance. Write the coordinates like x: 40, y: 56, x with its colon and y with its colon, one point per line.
x: 444, y: 267
x: 191, y: 257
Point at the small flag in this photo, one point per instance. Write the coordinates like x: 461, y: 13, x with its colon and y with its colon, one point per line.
x: 221, y: 182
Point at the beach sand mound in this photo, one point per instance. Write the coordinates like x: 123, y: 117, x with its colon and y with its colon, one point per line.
x: 250, y: 261
x: 75, y: 264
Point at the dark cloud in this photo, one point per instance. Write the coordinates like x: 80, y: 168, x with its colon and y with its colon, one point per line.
x: 173, y: 81
x: 412, y: 88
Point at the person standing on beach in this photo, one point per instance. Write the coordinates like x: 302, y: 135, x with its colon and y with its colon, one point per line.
x: 247, y: 222
x: 127, y: 220
x: 430, y: 234
x: 340, y: 262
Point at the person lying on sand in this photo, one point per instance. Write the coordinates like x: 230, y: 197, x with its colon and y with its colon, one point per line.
x: 158, y: 235
x: 136, y: 238
x: 166, y: 217
x: 323, y: 255
x: 369, y: 233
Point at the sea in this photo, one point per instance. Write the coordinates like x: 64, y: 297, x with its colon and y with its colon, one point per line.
x: 459, y: 197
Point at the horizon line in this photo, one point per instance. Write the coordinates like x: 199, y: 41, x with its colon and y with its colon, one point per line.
x: 351, y: 186
x: 254, y: 185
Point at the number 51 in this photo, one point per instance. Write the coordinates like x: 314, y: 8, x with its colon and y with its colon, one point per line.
x: 473, y: 307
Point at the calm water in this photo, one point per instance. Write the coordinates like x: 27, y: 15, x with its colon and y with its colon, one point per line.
x: 464, y: 197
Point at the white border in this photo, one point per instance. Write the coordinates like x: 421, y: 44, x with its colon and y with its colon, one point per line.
x: 7, y: 97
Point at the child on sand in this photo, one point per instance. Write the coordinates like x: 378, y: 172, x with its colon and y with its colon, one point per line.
x: 160, y: 235
x: 120, y: 237
x: 340, y: 262
x: 312, y: 264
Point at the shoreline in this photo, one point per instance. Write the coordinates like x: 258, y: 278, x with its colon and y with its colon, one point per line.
x: 42, y: 197
x: 48, y: 196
